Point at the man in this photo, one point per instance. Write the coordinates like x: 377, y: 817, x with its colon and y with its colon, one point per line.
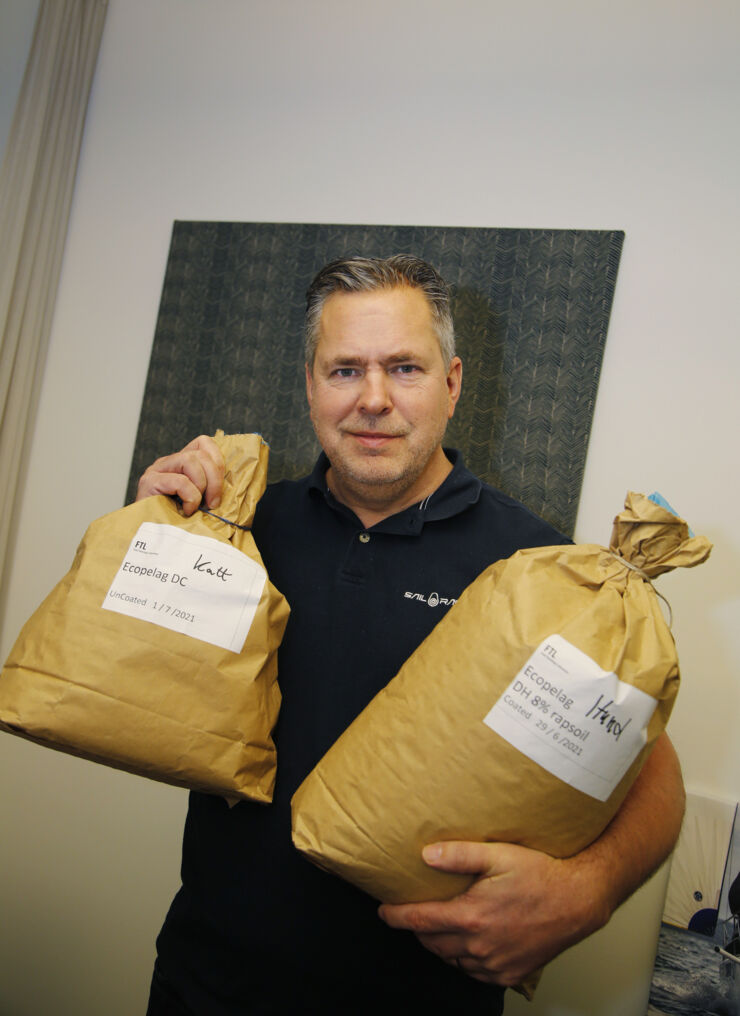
x: 256, y: 928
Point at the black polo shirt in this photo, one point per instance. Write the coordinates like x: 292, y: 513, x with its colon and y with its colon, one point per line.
x: 256, y: 928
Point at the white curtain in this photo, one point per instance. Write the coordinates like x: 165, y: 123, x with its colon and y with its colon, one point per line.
x: 36, y: 184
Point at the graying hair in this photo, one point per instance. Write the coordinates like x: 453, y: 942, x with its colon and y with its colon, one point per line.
x: 364, y: 275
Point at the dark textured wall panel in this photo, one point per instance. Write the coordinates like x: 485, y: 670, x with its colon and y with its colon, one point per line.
x: 531, y: 309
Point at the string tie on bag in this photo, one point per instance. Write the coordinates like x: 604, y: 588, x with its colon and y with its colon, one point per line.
x: 236, y: 525
x: 644, y: 575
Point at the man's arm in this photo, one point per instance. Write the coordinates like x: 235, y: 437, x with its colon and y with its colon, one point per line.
x: 194, y: 474
x: 527, y: 907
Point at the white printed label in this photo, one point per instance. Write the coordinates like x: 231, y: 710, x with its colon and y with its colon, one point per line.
x: 579, y: 722
x: 189, y: 583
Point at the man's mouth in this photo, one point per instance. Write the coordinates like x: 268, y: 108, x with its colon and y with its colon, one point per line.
x: 373, y: 439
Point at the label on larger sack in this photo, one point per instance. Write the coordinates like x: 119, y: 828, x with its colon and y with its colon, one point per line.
x: 189, y: 583
x: 579, y: 722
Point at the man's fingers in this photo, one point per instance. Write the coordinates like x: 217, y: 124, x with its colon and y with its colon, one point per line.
x: 173, y: 485
x: 176, y: 478
x: 461, y: 857
x: 193, y: 474
x: 501, y: 927
x: 212, y: 463
x: 421, y: 918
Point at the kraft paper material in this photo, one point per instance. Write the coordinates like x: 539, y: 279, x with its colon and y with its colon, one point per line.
x: 565, y: 650
x: 193, y: 707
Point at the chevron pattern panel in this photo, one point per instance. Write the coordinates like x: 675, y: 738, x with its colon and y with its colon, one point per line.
x: 531, y: 310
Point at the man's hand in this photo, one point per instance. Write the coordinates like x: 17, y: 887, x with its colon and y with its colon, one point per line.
x: 526, y: 907
x: 523, y: 909
x: 194, y: 474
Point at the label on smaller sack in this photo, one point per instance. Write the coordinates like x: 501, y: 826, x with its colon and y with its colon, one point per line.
x: 189, y: 583
x: 579, y: 722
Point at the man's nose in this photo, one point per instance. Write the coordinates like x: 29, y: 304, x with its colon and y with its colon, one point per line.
x: 375, y: 395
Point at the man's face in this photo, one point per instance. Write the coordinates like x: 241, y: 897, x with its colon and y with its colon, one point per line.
x: 381, y: 396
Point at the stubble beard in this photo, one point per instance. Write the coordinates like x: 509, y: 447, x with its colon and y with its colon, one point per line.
x: 377, y: 482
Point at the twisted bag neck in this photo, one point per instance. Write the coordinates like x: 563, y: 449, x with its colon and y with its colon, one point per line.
x: 245, y: 477
x: 646, y: 577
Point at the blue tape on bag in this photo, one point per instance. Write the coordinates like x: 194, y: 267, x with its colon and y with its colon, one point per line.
x: 658, y: 499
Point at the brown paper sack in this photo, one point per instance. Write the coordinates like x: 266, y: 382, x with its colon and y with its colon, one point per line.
x: 156, y: 653
x: 524, y: 716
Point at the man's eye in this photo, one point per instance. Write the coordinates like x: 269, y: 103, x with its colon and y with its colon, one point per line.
x: 406, y: 368
x: 344, y: 372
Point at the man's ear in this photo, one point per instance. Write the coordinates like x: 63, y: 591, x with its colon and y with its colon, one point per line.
x: 309, y: 384
x: 454, y: 385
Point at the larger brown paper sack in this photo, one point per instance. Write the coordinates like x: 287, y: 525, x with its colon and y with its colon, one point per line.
x: 524, y: 716
x: 162, y: 690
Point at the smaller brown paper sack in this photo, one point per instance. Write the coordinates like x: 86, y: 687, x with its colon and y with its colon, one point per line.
x: 140, y: 697
x: 419, y: 764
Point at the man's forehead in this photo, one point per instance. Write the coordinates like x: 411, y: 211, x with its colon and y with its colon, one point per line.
x: 387, y: 313
x: 392, y: 324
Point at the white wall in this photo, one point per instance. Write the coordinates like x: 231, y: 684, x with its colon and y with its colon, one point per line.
x: 479, y: 112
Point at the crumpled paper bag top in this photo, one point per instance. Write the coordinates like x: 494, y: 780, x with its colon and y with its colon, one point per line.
x: 245, y: 475
x: 653, y: 539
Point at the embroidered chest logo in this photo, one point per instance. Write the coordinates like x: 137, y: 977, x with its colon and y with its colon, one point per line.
x: 433, y: 600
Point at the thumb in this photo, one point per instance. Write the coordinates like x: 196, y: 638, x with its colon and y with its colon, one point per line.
x: 461, y: 856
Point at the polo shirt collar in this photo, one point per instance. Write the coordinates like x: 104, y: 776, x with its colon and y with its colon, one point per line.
x: 458, y: 490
